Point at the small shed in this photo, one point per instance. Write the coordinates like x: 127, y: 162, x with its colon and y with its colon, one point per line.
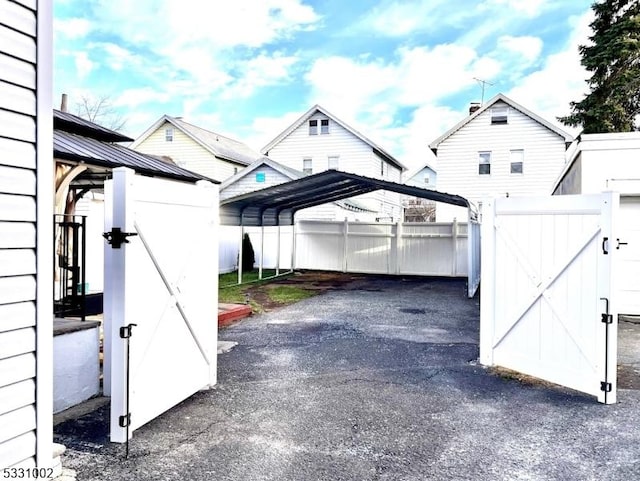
x: 611, y: 162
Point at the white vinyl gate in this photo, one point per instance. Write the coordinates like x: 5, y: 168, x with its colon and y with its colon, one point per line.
x: 161, y: 289
x: 546, y: 298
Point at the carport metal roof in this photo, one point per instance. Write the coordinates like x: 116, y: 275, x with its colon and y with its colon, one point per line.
x: 277, y: 205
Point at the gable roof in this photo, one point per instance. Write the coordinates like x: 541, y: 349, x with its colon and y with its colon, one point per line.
x: 79, y: 141
x: 416, y: 170
x: 278, y: 204
x: 500, y: 97
x: 220, y: 146
x: 317, y: 108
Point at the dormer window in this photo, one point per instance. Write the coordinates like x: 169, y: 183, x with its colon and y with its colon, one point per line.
x: 499, y: 115
x: 168, y: 134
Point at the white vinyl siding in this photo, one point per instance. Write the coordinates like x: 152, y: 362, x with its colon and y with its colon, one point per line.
x: 458, y: 160
x: 191, y: 155
x: 19, y: 218
x: 248, y: 183
x: 356, y: 156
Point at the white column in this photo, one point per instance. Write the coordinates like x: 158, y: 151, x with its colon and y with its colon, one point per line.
x: 487, y: 293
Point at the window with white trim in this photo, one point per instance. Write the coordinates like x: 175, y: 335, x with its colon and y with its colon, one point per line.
x: 517, y: 161
x: 168, y: 134
x: 499, y: 114
x: 324, y: 126
x: 484, y: 163
x: 333, y: 161
x: 307, y: 166
x: 313, y: 127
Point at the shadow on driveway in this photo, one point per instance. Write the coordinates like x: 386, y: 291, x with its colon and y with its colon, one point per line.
x: 375, y: 382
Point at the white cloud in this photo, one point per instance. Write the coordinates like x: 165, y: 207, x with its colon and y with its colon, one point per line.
x: 263, y: 70
x: 561, y: 79
x: 83, y: 64
x: 264, y: 129
x: 72, y: 28
x: 530, y: 8
x: 528, y: 48
x: 133, y: 98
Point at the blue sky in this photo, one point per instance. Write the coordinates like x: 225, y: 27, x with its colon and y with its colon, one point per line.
x: 401, y: 72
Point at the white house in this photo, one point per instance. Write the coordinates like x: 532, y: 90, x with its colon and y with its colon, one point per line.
x: 26, y: 254
x: 601, y: 162
x: 416, y: 209
x: 194, y: 148
x: 319, y: 141
x: 500, y: 149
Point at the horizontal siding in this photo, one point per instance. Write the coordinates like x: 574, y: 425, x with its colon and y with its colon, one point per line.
x: 17, y: 262
x: 248, y: 183
x: 18, y: 106
x: 17, y: 289
x: 18, y: 451
x: 17, y: 208
x: 17, y: 154
x: 17, y: 71
x: 458, y: 158
x: 20, y: 341
x: 17, y: 316
x: 187, y: 153
x: 18, y: 395
x: 17, y: 181
x: 17, y: 235
x: 17, y: 422
x: 16, y: 369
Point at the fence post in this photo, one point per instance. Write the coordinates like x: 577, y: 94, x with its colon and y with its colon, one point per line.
x: 454, y: 247
x: 278, y: 251
x: 345, y: 252
x: 260, y: 266
x: 487, y: 292
x: 293, y: 245
x: 240, y: 255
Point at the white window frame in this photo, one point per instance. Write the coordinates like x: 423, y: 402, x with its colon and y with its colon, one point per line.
x: 324, y: 126
x: 335, y: 160
x: 516, y: 157
x: 484, y: 159
x: 168, y: 134
x: 313, y: 127
x: 500, y: 115
x: 307, y: 166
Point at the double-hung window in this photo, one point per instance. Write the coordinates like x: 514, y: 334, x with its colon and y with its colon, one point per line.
x: 333, y: 161
x: 517, y: 161
x: 313, y: 127
x: 499, y: 115
x: 484, y: 163
x: 168, y: 134
x: 307, y: 166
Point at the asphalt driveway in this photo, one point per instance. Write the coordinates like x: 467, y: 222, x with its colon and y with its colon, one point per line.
x: 375, y: 381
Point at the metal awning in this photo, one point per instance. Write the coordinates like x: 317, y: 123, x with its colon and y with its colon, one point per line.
x: 277, y: 205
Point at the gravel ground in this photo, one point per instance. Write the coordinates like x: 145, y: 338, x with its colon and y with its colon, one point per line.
x: 375, y: 381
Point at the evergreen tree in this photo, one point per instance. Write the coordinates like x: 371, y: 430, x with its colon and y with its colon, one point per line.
x: 613, y: 58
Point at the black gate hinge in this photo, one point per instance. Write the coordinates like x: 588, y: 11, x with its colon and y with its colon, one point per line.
x: 607, y: 318
x: 606, y: 386
x: 116, y: 237
x: 125, y: 420
x: 605, y: 245
x: 126, y: 331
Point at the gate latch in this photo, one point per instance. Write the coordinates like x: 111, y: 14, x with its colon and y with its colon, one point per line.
x: 621, y: 244
x: 116, y: 237
x: 125, y: 420
x: 126, y: 331
x: 606, y: 386
x: 607, y: 318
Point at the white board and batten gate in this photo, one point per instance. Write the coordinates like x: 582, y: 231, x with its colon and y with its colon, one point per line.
x: 164, y: 282
x: 548, y: 306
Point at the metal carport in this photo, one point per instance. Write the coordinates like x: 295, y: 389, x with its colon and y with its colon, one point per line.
x: 277, y: 205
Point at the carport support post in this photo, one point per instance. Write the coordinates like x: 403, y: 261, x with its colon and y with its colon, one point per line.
x: 454, y: 247
x: 240, y: 255
x: 260, y: 266
x: 293, y: 244
x: 345, y: 230
x: 488, y: 281
x: 278, y: 252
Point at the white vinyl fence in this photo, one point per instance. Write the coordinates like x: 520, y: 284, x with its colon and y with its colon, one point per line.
x: 427, y: 249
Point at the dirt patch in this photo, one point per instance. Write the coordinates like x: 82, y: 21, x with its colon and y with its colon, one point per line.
x: 316, y: 282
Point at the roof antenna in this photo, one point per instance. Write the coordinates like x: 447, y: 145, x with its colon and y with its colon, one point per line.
x: 483, y: 83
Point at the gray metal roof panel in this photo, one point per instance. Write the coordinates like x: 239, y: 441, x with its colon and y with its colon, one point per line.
x: 77, y: 125
x: 329, y: 186
x: 78, y: 148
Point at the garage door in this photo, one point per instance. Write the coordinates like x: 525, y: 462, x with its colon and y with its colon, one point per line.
x: 160, y: 295
x: 547, y: 306
x: 628, y: 269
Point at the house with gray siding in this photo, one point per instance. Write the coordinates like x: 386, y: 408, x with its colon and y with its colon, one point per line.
x: 500, y: 149
x: 26, y: 210
x: 319, y: 141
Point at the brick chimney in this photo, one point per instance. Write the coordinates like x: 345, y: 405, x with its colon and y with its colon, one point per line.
x: 474, y: 107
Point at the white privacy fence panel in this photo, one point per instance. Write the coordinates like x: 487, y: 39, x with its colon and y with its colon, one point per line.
x: 547, y: 287
x: 229, y: 244
x: 165, y: 282
x: 473, y: 259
